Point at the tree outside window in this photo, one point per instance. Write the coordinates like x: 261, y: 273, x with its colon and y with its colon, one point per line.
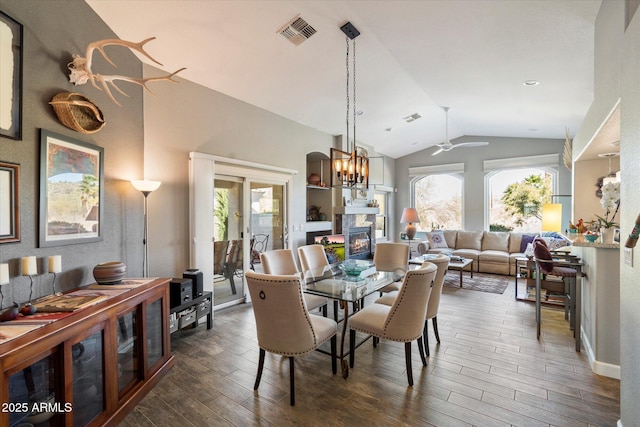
x: 438, y: 200
x: 516, y: 199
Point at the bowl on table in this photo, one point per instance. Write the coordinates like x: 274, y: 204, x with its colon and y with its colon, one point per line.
x: 591, y: 238
x: 354, y: 268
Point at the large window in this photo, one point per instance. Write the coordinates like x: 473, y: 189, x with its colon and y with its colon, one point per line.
x: 438, y: 200
x: 516, y: 198
x: 516, y: 189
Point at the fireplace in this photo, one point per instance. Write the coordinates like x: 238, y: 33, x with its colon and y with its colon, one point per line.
x: 359, y: 246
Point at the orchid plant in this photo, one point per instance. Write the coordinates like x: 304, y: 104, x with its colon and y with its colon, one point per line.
x: 610, y: 202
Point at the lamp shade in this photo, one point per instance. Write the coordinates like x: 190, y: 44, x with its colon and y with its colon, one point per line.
x: 552, y: 217
x: 410, y: 216
x: 29, y: 266
x: 4, y: 274
x: 145, y: 186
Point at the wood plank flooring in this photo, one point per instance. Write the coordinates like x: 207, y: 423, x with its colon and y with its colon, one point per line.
x: 489, y: 370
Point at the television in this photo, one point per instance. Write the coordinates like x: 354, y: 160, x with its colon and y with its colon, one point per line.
x: 333, y: 247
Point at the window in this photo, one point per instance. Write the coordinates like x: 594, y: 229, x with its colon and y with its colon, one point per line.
x: 438, y: 200
x: 382, y: 197
x: 516, y: 189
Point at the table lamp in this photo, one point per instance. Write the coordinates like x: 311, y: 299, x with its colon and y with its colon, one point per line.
x: 410, y: 217
x: 552, y: 217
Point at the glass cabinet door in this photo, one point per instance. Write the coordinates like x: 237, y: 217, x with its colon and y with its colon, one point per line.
x: 88, y: 381
x: 154, y: 332
x: 127, y: 350
x: 32, y: 394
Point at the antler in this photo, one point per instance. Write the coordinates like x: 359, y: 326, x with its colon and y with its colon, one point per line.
x: 80, y: 68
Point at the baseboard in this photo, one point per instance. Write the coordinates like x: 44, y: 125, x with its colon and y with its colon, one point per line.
x: 600, y: 368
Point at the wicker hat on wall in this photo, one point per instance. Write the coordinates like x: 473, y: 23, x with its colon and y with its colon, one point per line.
x: 77, y: 112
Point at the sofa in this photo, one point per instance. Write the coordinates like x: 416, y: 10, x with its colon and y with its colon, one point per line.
x: 491, y: 251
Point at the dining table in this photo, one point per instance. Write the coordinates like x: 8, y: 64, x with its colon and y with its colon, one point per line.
x: 346, y: 287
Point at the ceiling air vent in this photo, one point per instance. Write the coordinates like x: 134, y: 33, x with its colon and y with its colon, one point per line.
x: 297, y: 30
x: 411, y: 118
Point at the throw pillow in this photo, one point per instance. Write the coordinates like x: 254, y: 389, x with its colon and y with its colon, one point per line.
x: 526, y: 239
x: 541, y: 252
x: 437, y: 240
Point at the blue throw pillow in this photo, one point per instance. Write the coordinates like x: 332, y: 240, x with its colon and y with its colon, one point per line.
x: 526, y: 239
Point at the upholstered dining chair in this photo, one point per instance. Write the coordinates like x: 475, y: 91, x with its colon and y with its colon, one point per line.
x: 282, y: 262
x: 283, y: 323
x: 403, y: 321
x: 312, y: 256
x: 442, y: 263
x: 391, y: 257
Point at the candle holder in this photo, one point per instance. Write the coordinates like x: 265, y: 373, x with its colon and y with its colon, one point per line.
x: 29, y: 268
x: 55, y: 267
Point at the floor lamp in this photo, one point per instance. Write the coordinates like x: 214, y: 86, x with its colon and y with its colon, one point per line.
x: 410, y: 217
x: 146, y: 188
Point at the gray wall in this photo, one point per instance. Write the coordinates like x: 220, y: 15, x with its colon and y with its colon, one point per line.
x: 52, y: 32
x: 186, y: 117
x: 473, y: 190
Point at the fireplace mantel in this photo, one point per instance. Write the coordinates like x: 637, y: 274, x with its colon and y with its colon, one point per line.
x: 355, y: 210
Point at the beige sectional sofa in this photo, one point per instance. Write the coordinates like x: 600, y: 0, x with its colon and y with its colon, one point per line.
x: 492, y: 252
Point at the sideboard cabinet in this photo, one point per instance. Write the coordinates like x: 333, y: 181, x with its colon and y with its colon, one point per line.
x: 91, y: 366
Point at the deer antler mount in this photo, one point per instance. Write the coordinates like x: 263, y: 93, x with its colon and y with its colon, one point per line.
x: 81, y: 73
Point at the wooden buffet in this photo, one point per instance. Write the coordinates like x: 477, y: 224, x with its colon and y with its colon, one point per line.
x: 90, y: 366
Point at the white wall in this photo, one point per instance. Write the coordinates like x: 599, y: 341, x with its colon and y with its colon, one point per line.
x: 630, y: 205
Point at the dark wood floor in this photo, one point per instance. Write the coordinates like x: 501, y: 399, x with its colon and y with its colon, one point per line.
x: 488, y: 370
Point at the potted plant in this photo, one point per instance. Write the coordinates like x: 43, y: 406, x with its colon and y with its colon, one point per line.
x: 610, y: 202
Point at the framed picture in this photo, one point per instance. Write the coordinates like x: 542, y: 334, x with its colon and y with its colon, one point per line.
x: 9, y: 202
x: 11, y: 77
x: 71, y: 190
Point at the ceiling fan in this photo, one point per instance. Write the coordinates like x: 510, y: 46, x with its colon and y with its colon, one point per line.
x: 447, y: 145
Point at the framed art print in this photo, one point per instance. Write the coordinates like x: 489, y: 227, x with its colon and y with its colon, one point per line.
x: 10, y: 77
x: 9, y: 202
x: 71, y: 190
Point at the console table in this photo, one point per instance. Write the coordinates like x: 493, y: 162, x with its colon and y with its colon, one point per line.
x: 90, y: 366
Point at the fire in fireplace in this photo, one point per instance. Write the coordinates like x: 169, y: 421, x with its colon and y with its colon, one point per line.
x: 359, y: 243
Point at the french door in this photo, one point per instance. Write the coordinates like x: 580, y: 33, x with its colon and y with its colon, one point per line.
x: 242, y: 204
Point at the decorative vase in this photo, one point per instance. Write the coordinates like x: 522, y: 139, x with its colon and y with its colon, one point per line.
x: 109, y: 273
x: 606, y: 235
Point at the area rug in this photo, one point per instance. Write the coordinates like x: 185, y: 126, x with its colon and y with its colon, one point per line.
x: 493, y: 283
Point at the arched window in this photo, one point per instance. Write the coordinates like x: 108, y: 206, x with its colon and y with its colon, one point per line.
x: 516, y: 189
x: 437, y: 195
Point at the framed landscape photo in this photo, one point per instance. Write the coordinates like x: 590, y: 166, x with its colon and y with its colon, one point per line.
x: 71, y: 190
x: 9, y: 202
x: 10, y: 77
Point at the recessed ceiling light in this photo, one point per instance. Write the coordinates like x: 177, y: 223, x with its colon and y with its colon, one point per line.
x: 532, y: 130
x: 359, y: 113
x: 530, y: 83
x: 389, y: 129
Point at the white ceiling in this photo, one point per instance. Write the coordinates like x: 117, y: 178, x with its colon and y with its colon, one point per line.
x: 412, y: 57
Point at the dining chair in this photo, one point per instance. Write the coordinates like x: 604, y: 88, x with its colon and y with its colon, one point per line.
x: 442, y: 263
x: 283, y: 323
x: 312, y: 256
x: 403, y: 321
x: 282, y: 262
x: 392, y: 257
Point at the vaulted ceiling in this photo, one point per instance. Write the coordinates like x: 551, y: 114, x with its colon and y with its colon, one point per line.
x: 413, y: 57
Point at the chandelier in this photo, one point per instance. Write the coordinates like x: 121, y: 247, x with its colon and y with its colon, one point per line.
x: 350, y: 169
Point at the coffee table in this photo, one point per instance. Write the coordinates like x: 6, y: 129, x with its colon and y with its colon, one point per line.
x: 453, y: 265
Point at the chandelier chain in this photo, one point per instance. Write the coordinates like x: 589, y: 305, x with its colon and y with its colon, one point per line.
x: 348, y: 100
x: 354, y: 96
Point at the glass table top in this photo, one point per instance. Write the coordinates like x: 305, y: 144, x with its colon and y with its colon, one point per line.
x: 331, y: 281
